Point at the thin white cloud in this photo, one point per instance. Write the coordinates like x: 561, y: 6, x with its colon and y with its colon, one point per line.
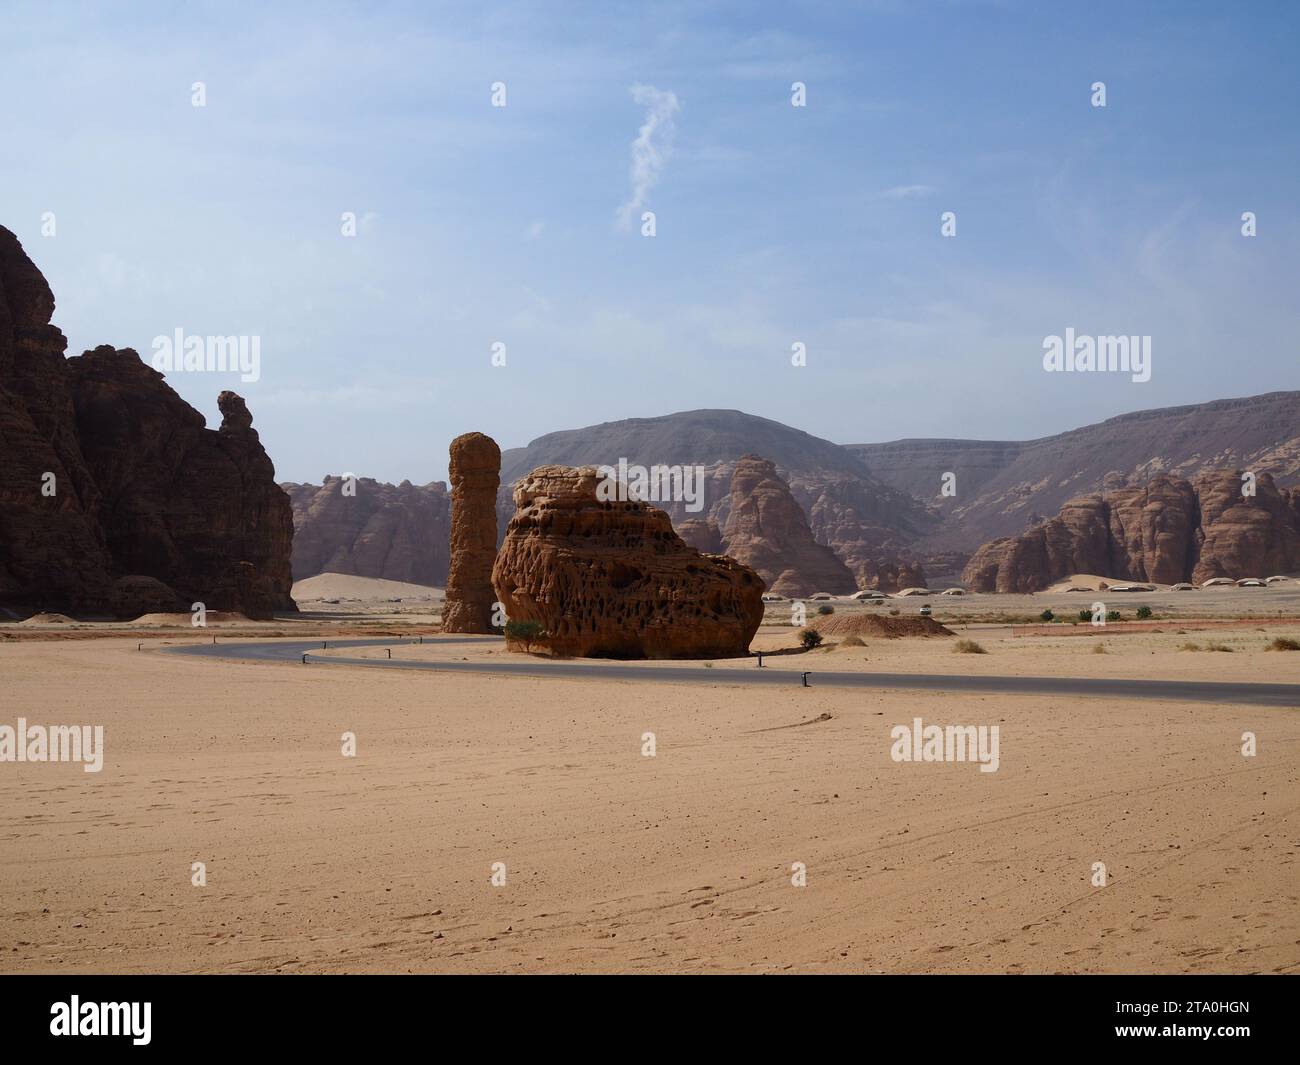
x: 652, y: 147
x: 904, y: 192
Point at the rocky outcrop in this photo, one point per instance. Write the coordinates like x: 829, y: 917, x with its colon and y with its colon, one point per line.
x: 613, y: 580
x: 475, y: 475
x: 701, y: 534
x: 1245, y: 536
x: 364, y: 527
x: 767, y: 530
x: 117, y: 499
x: 1000, y: 485
x: 1168, y: 531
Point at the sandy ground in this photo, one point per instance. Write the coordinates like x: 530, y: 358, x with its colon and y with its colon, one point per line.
x: 1241, y: 654
x: 620, y: 862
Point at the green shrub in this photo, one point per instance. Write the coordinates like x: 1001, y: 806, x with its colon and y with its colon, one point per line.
x: 1143, y: 613
x: 810, y: 638
x: 525, y: 632
x: 1047, y: 615
x: 826, y: 608
x: 968, y: 647
x: 1112, y: 615
x: 1085, y: 615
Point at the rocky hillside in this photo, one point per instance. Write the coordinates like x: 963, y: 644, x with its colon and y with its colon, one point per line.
x: 116, y: 499
x: 869, y: 524
x: 1005, y: 487
x: 878, y: 506
x: 398, y: 532
x: 1166, y: 531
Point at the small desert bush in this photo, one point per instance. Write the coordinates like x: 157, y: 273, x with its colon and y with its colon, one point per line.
x: 1284, y: 643
x: 1214, y: 645
x: 968, y: 647
x: 1047, y: 615
x: 826, y: 608
x: 1143, y: 612
x: 1085, y: 615
x: 1099, y: 648
x: 1189, y: 646
x: 810, y: 638
x: 853, y: 641
x: 525, y: 632
x: 1112, y: 615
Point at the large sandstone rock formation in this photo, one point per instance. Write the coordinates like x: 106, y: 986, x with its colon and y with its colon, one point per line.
x: 398, y: 532
x: 767, y: 530
x: 1167, y: 531
x: 612, y: 579
x: 701, y: 534
x: 475, y: 474
x: 116, y: 500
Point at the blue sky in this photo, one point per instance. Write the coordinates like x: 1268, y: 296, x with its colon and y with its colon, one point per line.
x: 775, y: 224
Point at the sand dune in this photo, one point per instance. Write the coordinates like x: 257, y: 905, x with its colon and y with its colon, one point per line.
x: 364, y: 589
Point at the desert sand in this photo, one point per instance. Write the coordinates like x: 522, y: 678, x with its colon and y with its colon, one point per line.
x: 614, y: 861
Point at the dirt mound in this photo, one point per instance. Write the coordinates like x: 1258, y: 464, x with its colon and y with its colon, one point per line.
x: 214, y: 617
x: 48, y: 619
x: 889, y: 628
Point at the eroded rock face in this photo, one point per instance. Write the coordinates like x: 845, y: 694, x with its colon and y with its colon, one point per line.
x: 475, y: 475
x: 141, y: 488
x: 613, y: 580
x: 398, y: 532
x: 767, y: 530
x: 1246, y: 536
x: 1168, y: 531
x: 701, y: 534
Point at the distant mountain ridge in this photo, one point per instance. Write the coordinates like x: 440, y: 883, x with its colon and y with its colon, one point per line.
x: 1005, y: 487
x: 877, y: 505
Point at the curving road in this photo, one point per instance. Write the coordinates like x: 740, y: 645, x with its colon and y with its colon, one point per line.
x: 1287, y: 695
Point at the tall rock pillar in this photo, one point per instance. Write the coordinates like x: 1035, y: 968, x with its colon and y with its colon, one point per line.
x: 475, y: 475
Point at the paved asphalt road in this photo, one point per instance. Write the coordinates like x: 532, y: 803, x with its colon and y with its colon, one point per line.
x: 1287, y: 695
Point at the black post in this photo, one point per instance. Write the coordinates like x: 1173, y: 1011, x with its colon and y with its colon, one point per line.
x: 805, y: 679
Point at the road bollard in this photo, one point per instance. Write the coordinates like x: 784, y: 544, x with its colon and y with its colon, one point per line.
x: 805, y: 679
